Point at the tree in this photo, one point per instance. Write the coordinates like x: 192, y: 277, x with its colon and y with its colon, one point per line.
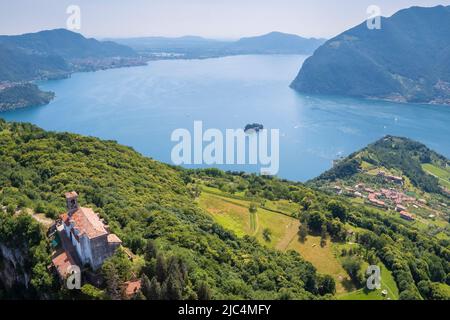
x: 408, y: 295
x: 92, y: 293
x: 203, y: 292
x: 302, y: 232
x: 352, y: 265
x: 161, y: 268
x: 154, y: 290
x: 145, y: 286
x: 114, y: 284
x: 151, y: 250
x: 323, y: 236
x: 338, y: 210
x: 267, y: 234
x: 315, y: 221
x: 172, y: 288
x: 326, y: 285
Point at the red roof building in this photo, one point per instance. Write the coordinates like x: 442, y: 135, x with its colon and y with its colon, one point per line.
x: 87, y: 233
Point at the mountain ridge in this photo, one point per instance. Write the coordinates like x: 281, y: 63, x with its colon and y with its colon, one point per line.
x: 274, y: 42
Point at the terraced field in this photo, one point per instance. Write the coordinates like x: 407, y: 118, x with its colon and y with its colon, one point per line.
x: 442, y: 174
x: 232, y: 212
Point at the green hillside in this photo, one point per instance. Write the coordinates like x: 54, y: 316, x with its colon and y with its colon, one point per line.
x: 23, y: 95
x: 141, y: 200
x: 194, y: 244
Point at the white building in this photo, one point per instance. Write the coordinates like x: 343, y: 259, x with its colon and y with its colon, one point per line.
x: 88, y: 234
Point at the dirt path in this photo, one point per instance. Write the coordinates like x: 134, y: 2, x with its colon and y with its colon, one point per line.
x: 254, y: 223
x: 290, y: 233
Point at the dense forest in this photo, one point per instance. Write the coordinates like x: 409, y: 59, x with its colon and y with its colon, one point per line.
x: 183, y: 253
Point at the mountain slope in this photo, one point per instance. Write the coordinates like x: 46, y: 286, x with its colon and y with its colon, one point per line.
x: 406, y: 60
x: 16, y: 65
x: 23, y: 95
x: 65, y: 44
x: 393, y: 153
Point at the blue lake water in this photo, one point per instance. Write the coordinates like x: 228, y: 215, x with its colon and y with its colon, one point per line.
x: 141, y: 106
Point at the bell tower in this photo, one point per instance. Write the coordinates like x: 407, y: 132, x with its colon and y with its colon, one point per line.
x: 72, y: 202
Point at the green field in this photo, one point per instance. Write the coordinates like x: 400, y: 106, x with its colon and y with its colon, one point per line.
x: 387, y: 283
x: 325, y: 260
x: 442, y: 174
x: 233, y: 214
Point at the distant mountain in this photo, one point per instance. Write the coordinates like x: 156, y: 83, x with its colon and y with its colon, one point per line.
x: 65, y: 44
x: 276, y: 42
x: 271, y: 43
x: 171, y: 44
x: 406, y: 60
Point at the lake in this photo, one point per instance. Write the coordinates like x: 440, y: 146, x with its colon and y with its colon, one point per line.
x: 141, y: 106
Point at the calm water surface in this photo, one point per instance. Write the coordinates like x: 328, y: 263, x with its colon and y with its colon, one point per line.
x: 141, y: 106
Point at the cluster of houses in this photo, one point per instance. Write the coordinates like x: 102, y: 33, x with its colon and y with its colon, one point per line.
x: 384, y: 198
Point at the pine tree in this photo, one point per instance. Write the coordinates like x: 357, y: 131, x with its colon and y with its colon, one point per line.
x: 151, y: 250
x: 161, y: 268
x: 154, y: 290
x: 172, y: 288
x: 203, y: 292
x: 113, y: 283
x: 145, y: 285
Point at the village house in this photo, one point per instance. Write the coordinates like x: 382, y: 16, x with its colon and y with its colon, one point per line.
x: 406, y: 215
x: 392, y: 178
x: 338, y: 190
x: 373, y: 200
x: 87, y: 234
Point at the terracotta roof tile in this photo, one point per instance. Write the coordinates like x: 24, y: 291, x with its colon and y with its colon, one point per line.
x: 62, y: 262
x: 112, y: 238
x: 132, y: 287
x: 86, y: 221
x: 71, y: 194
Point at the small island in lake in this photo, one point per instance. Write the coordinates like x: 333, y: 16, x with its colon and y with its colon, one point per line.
x: 253, y: 127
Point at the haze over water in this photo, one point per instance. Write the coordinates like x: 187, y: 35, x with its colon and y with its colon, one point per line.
x: 141, y: 106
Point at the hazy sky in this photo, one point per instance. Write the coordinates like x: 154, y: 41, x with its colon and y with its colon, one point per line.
x: 210, y: 18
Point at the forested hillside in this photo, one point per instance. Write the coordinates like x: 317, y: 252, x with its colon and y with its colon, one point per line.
x: 405, y: 60
x: 141, y: 200
x: 182, y: 251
